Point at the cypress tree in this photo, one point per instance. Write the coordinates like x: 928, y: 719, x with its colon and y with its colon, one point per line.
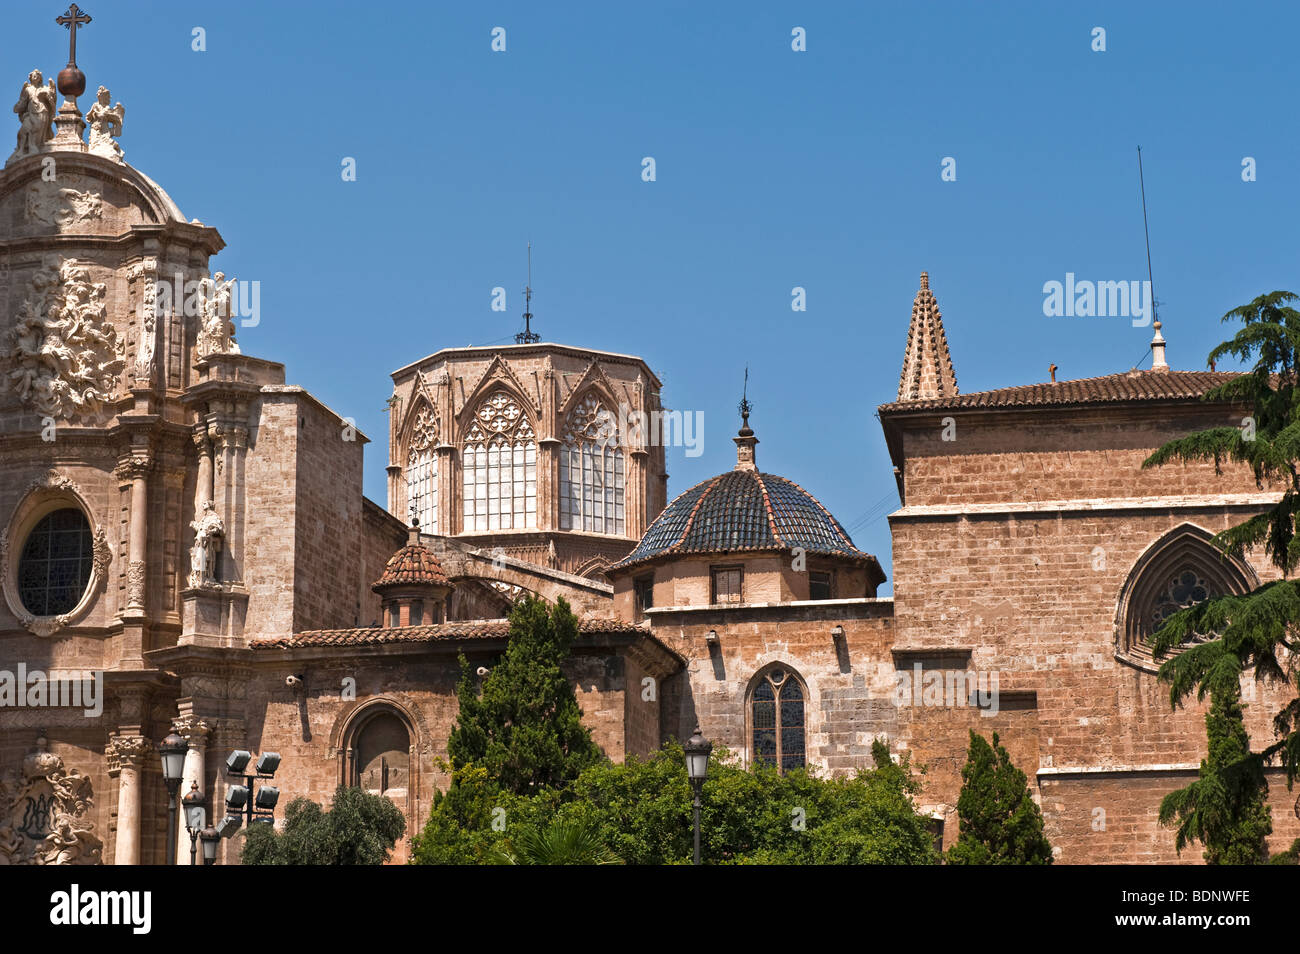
x: 525, y: 726
x: 999, y: 822
x: 1226, y: 808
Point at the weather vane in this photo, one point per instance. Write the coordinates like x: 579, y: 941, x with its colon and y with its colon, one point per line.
x: 745, y: 405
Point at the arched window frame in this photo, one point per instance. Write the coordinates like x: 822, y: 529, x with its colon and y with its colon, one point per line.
x: 421, y: 470
x: 765, y: 678
x: 347, y: 732
x: 499, y: 466
x: 1186, y: 548
x: 593, y: 471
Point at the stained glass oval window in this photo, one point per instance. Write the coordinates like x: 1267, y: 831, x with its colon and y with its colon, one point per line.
x: 55, y: 564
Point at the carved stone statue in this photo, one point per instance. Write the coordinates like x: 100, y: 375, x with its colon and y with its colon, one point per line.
x: 145, y: 350
x: 147, y: 341
x: 217, y: 331
x: 66, y: 355
x: 208, y: 531
x: 35, y: 109
x: 45, y: 815
x: 105, y: 123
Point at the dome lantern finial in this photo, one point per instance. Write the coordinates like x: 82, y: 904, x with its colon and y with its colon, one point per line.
x: 745, y: 439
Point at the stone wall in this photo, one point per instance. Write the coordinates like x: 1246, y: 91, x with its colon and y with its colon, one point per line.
x: 849, y: 682
x: 1015, y: 546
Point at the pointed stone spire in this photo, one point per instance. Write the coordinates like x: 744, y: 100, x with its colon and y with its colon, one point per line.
x: 927, y: 366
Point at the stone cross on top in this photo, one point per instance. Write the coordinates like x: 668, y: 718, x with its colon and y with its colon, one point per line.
x: 73, y: 19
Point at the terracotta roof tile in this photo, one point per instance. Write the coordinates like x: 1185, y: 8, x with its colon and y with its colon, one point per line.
x: 464, y: 629
x: 414, y: 563
x: 1111, y: 388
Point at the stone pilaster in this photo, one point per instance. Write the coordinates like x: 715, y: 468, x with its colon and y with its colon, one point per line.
x: 126, y: 754
x: 235, y: 522
x: 449, y: 510
x: 135, y: 469
x: 195, y: 732
x: 203, y: 485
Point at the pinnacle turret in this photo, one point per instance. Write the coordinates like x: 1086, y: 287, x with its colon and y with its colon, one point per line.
x: 927, y: 366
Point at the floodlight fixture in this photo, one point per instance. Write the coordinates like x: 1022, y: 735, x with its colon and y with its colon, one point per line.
x: 267, y: 763
x: 238, y: 761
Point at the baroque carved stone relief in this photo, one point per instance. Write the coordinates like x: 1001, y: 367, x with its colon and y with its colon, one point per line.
x: 45, y: 814
x: 66, y: 354
x: 63, y: 208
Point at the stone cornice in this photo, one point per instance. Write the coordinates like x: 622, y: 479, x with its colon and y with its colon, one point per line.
x: 1086, y: 505
x: 865, y: 607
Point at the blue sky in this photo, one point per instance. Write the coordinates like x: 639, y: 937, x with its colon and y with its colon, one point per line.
x: 775, y: 169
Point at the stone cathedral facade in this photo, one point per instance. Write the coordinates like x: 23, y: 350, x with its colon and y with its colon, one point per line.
x: 184, y: 528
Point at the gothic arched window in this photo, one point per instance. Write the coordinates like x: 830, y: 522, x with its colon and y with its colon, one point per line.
x: 777, y: 730
x: 499, y: 467
x: 591, y: 471
x: 422, y: 470
x: 1179, y: 570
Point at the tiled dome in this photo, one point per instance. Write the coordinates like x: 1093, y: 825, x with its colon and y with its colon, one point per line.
x: 413, y: 564
x: 744, y: 510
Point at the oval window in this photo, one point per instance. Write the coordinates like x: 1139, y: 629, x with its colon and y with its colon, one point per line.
x: 55, y: 565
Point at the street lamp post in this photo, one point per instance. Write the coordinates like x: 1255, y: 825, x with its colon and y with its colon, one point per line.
x: 196, y: 817
x: 172, y: 752
x: 697, y: 751
x: 209, y: 837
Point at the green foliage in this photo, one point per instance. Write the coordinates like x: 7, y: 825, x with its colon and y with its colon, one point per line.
x: 358, y: 829
x: 573, y: 842
x: 525, y: 727
x: 640, y: 812
x: 1289, y: 857
x: 999, y: 822
x: 471, y: 821
x: 1226, y: 808
x: 1255, y: 632
x: 529, y: 786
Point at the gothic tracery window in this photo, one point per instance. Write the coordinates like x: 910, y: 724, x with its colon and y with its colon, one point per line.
x: 591, y: 471
x: 777, y: 720
x: 1178, y: 571
x: 499, y: 467
x: 422, y: 470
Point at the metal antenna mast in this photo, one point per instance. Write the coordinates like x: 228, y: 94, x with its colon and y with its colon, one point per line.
x: 1147, y: 233
x: 1158, y: 361
x: 528, y: 336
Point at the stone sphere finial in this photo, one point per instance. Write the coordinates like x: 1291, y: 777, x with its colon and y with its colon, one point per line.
x: 72, y: 82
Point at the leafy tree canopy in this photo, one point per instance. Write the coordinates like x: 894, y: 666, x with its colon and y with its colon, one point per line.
x: 358, y: 829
